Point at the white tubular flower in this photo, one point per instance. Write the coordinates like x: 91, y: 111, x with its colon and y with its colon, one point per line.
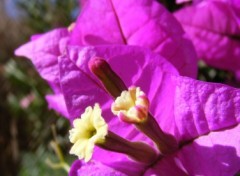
x: 87, y: 131
x: 131, y: 106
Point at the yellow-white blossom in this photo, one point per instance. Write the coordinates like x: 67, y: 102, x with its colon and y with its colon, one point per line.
x: 131, y: 106
x: 87, y: 131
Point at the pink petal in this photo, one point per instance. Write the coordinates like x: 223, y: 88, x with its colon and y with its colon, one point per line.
x: 214, y: 30
x: 57, y: 103
x: 43, y: 51
x: 217, y: 153
x: 188, y: 108
x: 76, y: 165
x: 184, y: 107
x: 140, y: 66
x: 81, y: 88
x: 94, y: 168
x: 136, y: 22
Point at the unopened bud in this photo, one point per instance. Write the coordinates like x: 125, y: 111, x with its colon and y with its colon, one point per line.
x: 111, y: 81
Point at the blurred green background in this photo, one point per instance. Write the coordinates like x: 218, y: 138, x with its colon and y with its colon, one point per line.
x: 25, y: 122
x: 27, y: 127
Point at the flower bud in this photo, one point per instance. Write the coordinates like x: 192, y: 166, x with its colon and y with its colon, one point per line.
x: 110, y: 80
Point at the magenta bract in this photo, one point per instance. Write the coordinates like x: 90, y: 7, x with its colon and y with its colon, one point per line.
x: 143, y: 23
x: 199, y: 115
x: 214, y: 30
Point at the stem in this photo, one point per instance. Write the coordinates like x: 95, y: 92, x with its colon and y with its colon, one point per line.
x: 166, y: 143
x: 138, y: 151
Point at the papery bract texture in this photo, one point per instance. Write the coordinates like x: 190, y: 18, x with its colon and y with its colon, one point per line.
x: 81, y: 88
x: 206, y: 117
x: 144, y: 23
x: 194, y: 112
x: 136, y: 22
x: 197, y: 107
x: 217, y: 153
x: 43, y: 50
x: 84, y: 88
x: 57, y: 102
x: 93, y: 168
x: 214, y: 29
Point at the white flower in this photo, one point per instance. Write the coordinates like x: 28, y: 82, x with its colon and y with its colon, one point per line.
x: 131, y: 106
x: 87, y: 131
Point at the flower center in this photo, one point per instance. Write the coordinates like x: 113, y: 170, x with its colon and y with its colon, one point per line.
x: 92, y: 132
x: 131, y: 106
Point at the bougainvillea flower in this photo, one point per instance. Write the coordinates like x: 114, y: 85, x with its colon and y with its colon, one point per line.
x: 203, y: 117
x: 143, y: 23
x: 43, y: 50
x: 213, y: 26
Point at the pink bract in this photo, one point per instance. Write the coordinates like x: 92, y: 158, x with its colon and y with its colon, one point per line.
x: 213, y: 26
x: 143, y: 23
x: 203, y: 117
x: 43, y: 50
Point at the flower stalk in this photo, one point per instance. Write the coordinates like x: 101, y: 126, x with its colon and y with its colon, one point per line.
x: 165, y: 143
x: 137, y: 151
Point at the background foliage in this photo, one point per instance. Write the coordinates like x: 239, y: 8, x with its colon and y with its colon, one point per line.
x: 25, y: 122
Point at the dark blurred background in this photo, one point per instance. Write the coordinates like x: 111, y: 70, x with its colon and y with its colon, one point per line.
x: 27, y: 127
x: 26, y: 124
